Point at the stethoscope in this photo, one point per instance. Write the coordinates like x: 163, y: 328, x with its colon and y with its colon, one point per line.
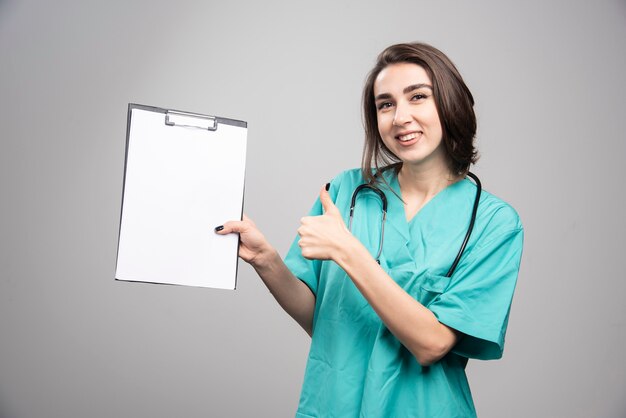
x: 383, y: 199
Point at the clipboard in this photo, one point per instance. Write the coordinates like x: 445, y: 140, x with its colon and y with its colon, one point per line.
x: 183, y: 176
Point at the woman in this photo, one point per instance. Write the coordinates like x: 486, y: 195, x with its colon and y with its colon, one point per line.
x: 392, y: 323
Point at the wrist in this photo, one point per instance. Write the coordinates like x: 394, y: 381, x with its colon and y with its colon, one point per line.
x: 349, y: 251
x: 265, y: 259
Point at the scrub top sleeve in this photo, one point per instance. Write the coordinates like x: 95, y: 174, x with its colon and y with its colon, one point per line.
x: 306, y: 270
x: 478, y: 299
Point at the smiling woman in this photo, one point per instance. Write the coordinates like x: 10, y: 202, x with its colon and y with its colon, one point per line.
x: 393, y: 314
x: 408, y: 121
x: 437, y: 79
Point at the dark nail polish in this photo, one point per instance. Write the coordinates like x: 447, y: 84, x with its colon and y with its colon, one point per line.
x: 219, y: 228
x: 327, y: 186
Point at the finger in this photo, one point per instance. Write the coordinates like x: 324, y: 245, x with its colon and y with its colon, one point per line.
x: 231, y: 227
x: 327, y: 202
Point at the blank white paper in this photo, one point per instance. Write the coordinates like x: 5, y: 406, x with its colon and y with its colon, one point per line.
x: 180, y: 183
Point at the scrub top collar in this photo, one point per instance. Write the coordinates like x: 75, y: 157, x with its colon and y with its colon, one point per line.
x: 396, y: 214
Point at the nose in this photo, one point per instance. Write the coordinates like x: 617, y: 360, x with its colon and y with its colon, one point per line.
x: 402, y: 115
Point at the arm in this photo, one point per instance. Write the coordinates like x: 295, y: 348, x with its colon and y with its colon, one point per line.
x: 413, y: 324
x: 291, y: 293
x: 326, y: 237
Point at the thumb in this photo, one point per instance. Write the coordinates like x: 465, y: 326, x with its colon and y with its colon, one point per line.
x: 327, y: 202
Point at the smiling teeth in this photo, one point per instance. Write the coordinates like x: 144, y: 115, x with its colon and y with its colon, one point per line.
x: 405, y: 138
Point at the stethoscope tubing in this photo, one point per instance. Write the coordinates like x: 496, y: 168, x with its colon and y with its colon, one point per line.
x: 479, y: 189
x: 383, y: 199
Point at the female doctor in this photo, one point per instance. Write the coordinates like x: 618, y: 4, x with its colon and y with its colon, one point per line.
x: 394, y: 311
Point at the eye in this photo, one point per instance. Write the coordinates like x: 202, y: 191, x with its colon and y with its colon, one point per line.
x: 418, y: 96
x: 384, y: 105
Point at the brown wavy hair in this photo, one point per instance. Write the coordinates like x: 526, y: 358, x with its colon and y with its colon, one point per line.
x: 454, y: 102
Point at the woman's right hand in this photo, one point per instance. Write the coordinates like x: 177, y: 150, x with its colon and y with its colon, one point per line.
x: 253, y: 247
x: 292, y: 294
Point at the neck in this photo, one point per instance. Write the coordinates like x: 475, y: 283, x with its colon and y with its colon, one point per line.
x: 419, y: 184
x: 425, y: 181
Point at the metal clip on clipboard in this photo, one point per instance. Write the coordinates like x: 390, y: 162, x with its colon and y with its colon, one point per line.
x: 190, y: 120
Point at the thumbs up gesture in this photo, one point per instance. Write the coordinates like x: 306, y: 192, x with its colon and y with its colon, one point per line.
x: 324, y: 237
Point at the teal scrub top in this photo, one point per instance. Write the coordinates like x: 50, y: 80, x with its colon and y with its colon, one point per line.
x: 356, y: 367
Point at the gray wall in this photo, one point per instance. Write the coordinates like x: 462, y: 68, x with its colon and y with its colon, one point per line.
x: 549, y: 82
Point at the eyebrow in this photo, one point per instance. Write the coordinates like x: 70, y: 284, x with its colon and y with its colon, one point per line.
x: 406, y: 90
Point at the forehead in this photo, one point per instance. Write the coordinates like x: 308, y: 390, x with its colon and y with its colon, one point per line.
x: 395, y: 77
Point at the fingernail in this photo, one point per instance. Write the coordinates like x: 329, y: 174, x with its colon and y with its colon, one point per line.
x: 219, y: 228
x: 327, y: 186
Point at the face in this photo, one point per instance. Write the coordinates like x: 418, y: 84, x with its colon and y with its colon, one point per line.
x: 408, y: 121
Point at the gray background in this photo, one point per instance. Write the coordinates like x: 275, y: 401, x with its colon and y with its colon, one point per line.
x: 549, y: 82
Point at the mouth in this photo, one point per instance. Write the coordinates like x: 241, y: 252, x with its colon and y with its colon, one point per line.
x: 410, y: 137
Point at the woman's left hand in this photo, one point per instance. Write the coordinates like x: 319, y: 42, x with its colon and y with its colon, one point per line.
x: 324, y: 237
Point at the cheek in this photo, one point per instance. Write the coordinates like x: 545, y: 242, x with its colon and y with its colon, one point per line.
x: 381, y: 126
x: 387, y: 143
x: 433, y: 118
x: 435, y: 124
x: 431, y: 123
x: 384, y: 121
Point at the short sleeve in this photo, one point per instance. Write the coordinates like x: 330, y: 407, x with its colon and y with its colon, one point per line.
x: 306, y: 270
x: 478, y: 299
